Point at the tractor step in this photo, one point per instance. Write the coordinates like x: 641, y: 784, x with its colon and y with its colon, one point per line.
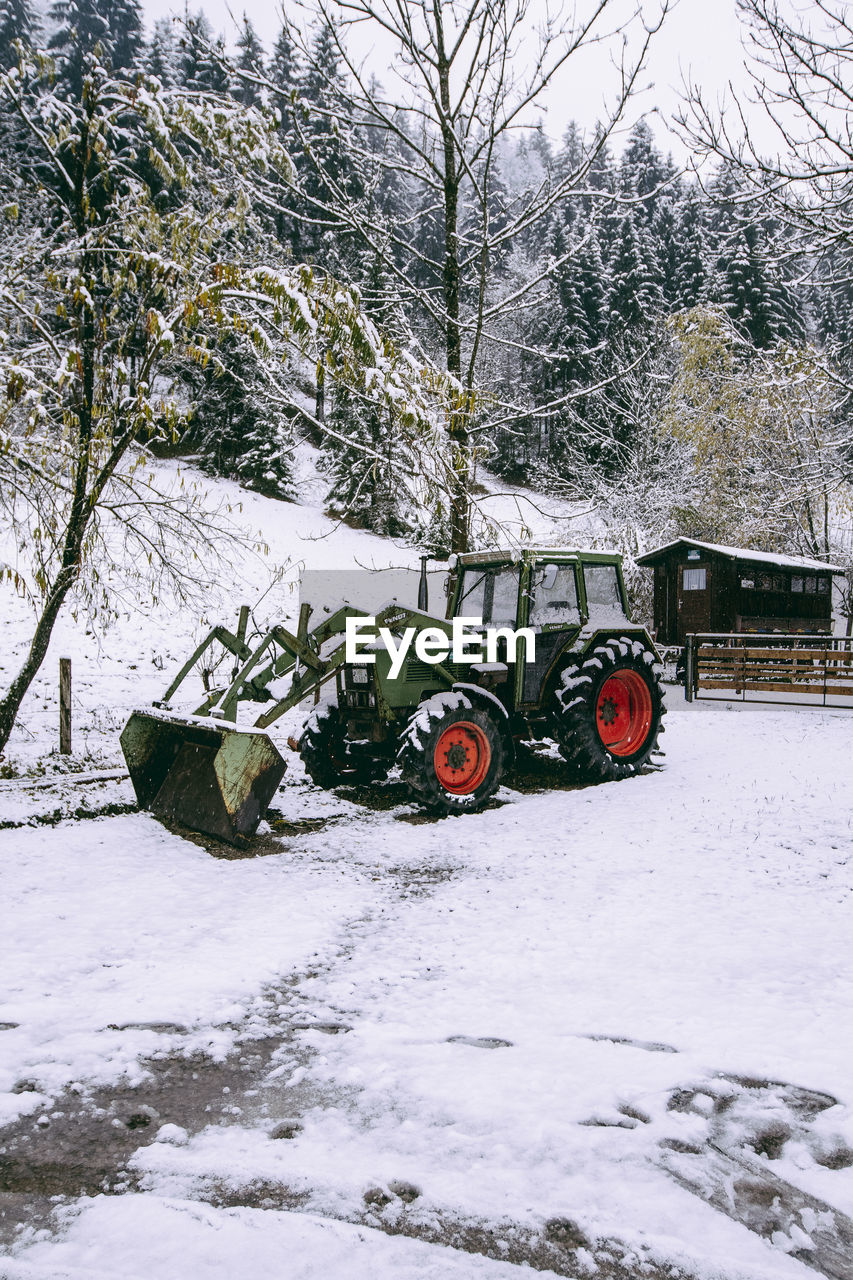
x: 206, y: 775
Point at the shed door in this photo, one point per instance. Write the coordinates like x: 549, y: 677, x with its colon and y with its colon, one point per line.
x: 664, y: 605
x: 694, y: 599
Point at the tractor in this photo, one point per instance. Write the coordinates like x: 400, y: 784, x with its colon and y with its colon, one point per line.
x: 558, y: 657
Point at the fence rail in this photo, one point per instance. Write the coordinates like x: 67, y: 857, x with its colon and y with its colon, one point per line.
x: 810, y: 670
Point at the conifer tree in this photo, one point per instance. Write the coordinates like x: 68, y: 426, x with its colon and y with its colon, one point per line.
x: 284, y: 75
x: 160, y: 59
x: 250, y: 59
x: 635, y: 296
x: 363, y: 482
x: 642, y: 170
x: 236, y: 425
x: 752, y: 289
x: 324, y: 136
x: 17, y: 22
x: 691, y: 253
x: 197, y: 69
x: 81, y: 26
x: 667, y: 250
x: 126, y: 33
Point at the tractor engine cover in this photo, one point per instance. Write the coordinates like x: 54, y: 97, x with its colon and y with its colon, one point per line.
x: 202, y: 774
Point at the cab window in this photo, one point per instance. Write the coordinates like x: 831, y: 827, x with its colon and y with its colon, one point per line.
x: 602, y: 590
x: 490, y: 594
x: 555, y: 596
x: 473, y: 594
x: 504, y: 598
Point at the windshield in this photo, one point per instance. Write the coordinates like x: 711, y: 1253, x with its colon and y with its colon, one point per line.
x: 472, y: 595
x: 490, y: 594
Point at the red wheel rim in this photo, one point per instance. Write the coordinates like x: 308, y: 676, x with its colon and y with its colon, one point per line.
x: 462, y: 757
x: 623, y: 712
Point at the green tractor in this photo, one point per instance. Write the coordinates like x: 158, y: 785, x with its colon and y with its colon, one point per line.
x: 548, y: 651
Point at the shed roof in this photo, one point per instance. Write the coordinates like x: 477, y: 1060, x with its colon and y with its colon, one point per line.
x: 742, y: 553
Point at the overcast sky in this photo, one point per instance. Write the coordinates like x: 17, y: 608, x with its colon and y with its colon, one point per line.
x: 701, y: 38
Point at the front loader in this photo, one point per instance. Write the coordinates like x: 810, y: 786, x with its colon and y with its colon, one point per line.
x: 579, y: 672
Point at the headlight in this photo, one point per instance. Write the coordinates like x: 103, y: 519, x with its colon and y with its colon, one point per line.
x: 359, y: 675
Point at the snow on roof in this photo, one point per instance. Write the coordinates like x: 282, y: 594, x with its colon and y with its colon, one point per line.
x: 743, y: 553
x: 519, y: 553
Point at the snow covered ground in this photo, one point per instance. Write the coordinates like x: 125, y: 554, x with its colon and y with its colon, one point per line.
x: 522, y: 1018
x: 601, y: 1031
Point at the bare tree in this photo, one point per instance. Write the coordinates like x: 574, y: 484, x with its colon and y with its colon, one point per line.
x: 463, y: 75
x: 801, y: 63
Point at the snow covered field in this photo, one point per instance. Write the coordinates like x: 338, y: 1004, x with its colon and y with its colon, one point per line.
x: 583, y: 1031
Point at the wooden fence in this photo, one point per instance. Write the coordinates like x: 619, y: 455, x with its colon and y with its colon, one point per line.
x: 811, y: 670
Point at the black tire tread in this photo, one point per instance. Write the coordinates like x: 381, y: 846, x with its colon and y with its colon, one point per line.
x: 324, y: 753
x: 417, y: 745
x: 574, y: 711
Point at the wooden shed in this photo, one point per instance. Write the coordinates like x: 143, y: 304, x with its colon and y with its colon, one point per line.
x: 703, y: 587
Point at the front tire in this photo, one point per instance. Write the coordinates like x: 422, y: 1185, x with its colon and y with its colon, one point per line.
x: 451, y: 755
x: 329, y: 759
x: 609, y: 709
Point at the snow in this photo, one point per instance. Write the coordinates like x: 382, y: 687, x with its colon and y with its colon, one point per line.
x: 113, y: 930
x: 559, y: 1011
x: 151, y: 1236
x: 743, y: 553
x: 526, y: 991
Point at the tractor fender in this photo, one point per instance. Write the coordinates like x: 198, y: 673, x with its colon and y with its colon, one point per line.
x: 490, y: 703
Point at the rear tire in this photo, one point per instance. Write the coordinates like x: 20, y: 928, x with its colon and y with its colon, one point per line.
x: 329, y: 758
x: 608, y: 712
x: 451, y: 755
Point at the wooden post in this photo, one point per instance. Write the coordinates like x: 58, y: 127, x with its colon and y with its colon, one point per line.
x: 65, y: 706
x: 688, y: 668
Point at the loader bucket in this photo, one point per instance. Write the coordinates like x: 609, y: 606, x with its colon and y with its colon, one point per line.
x: 202, y: 774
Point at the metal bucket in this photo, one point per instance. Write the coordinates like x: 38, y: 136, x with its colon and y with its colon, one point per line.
x: 202, y: 774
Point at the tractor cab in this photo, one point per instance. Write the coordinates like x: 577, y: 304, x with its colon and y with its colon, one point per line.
x: 539, y: 588
x: 562, y: 596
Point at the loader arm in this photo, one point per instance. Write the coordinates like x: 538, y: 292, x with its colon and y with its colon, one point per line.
x: 203, y: 771
x: 280, y: 652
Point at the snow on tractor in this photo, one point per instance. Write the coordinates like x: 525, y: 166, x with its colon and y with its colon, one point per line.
x: 562, y: 661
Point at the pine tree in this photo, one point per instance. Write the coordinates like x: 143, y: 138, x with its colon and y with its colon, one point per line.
x: 284, y: 73
x: 237, y: 430
x: 78, y: 30
x: 161, y: 58
x: 753, y: 291
x: 197, y: 67
x: 571, y: 152
x: 364, y: 486
x: 126, y: 33
x: 667, y: 250
x: 325, y: 136
x: 251, y: 60
x: 81, y: 26
x: 364, y: 467
x: 691, y: 253
x: 635, y: 296
x: 17, y: 22
x: 641, y: 169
